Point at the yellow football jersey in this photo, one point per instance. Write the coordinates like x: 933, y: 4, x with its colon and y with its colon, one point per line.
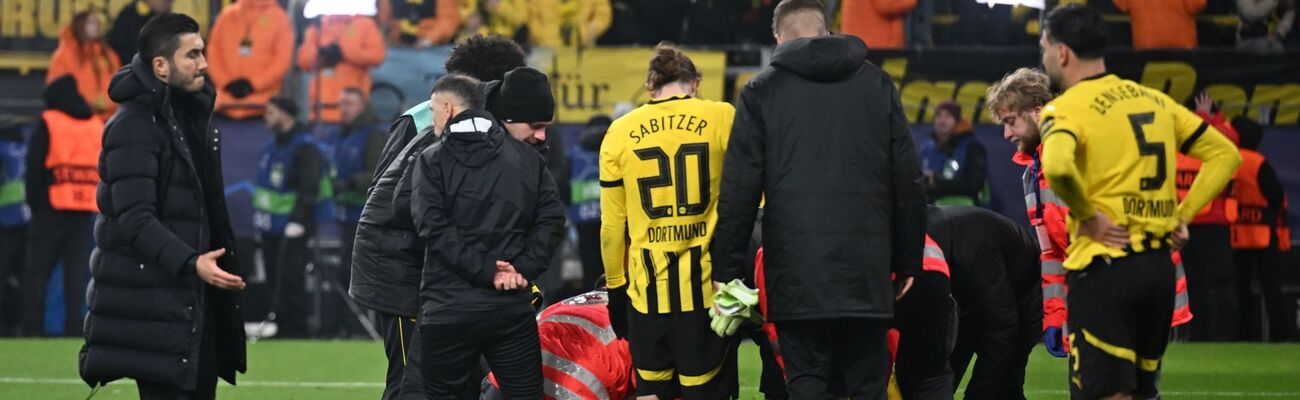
x: 1126, y: 138
x: 660, y: 172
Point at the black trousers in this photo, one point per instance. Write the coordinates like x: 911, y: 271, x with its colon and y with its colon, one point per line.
x: 1120, y: 312
x: 286, y: 269
x: 927, y: 328
x: 1207, y: 259
x: 13, y: 252
x: 1264, y: 267
x: 206, y: 382
x: 336, y: 317
x: 849, y: 355
x: 589, y: 253
x: 403, y: 381
x: 997, y: 376
x: 56, y: 236
x: 449, y: 355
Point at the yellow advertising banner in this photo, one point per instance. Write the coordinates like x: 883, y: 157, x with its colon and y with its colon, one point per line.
x: 29, y: 29
x: 590, y: 82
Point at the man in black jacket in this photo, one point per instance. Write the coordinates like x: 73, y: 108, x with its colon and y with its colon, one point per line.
x: 489, y: 211
x: 163, y: 303
x: 844, y: 205
x: 994, y: 266
x: 388, y: 255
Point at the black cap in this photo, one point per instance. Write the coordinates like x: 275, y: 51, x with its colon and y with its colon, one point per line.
x: 285, y: 104
x: 524, y: 96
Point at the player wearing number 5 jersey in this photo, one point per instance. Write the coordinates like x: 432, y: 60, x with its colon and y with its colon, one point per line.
x: 660, y: 168
x: 1108, y: 152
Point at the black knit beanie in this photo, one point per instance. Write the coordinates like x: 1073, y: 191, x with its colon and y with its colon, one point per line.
x: 524, y: 96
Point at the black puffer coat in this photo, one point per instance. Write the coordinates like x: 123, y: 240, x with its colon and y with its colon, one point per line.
x: 161, y: 206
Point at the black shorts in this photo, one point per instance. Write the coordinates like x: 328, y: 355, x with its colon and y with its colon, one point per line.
x: 678, y: 355
x: 1119, y: 324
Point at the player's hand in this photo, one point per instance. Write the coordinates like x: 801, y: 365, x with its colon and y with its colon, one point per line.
x: 1101, y: 230
x: 1181, y: 236
x: 205, y: 266
x: 902, y: 286
x: 1054, y: 342
x: 617, y: 308
x: 1204, y: 103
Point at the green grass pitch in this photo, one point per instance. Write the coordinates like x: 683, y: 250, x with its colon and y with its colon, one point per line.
x: 321, y: 370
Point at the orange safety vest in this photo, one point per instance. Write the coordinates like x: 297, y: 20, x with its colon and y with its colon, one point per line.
x: 1255, y: 224
x: 1221, y: 211
x: 72, y: 159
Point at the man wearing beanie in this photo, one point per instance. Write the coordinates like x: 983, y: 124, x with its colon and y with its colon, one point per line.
x: 522, y: 101
x: 288, y: 188
x: 489, y: 212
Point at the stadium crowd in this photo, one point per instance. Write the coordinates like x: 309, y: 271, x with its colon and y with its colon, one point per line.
x: 449, y: 215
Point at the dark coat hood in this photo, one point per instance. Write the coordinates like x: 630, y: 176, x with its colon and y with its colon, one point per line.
x: 823, y: 58
x: 62, y: 95
x: 474, y: 137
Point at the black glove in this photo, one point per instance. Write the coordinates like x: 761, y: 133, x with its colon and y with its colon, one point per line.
x: 330, y: 56
x: 240, y: 88
x: 618, y: 311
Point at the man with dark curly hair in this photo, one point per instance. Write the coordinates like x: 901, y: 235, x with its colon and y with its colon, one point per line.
x: 387, y: 255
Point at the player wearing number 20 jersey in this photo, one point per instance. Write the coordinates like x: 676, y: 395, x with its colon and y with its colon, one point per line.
x: 660, y: 172
x: 660, y: 168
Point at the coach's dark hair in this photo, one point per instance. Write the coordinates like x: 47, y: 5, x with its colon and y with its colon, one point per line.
x: 486, y: 58
x: 1079, y: 27
x: 790, y: 7
x: 670, y: 65
x: 161, y: 35
x: 464, y: 87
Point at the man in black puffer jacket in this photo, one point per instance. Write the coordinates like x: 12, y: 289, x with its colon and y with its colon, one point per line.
x: 163, y: 306
x: 821, y: 133
x: 489, y: 211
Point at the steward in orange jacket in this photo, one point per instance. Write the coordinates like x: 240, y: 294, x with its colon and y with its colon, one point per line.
x: 419, y: 23
x: 1162, y: 24
x: 342, y: 48
x: 877, y: 22
x: 248, y: 56
x: 83, y: 54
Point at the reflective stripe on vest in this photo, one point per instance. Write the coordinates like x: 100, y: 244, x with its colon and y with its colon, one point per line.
x: 72, y: 160
x: 1256, y: 225
x: 605, y: 335
x: 932, y: 259
x: 560, y: 383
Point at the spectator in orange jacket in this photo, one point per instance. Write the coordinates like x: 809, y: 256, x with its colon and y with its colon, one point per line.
x: 83, y: 54
x: 419, y: 23
x: 339, y: 50
x: 1162, y: 24
x: 877, y: 22
x: 248, y: 56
